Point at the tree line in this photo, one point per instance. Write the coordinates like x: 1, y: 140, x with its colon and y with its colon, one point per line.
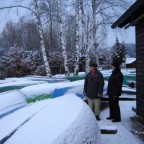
x: 76, y: 29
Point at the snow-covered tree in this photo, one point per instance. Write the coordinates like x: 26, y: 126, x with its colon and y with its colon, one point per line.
x: 62, y: 39
x: 84, y: 34
x: 76, y: 69
x: 42, y: 42
x: 119, y: 52
x: 94, y: 8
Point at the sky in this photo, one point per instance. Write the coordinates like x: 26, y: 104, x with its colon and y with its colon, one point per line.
x: 128, y: 36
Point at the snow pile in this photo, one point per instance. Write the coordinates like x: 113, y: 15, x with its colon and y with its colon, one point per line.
x: 66, y: 120
x: 10, y: 101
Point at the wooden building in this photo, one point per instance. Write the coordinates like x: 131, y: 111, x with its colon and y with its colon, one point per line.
x: 134, y: 16
x: 130, y: 62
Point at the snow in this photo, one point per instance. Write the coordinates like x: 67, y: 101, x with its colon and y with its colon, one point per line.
x: 124, y: 128
x: 75, y: 87
x: 71, y: 74
x: 128, y: 89
x: 43, y: 89
x: 7, y: 80
x: 65, y: 120
x: 11, y: 100
x: 108, y: 128
x: 17, y: 81
x: 44, y: 78
x: 124, y: 71
x: 130, y: 60
x: 11, y: 122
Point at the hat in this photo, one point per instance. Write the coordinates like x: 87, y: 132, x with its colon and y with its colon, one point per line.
x: 93, y: 64
x: 116, y: 65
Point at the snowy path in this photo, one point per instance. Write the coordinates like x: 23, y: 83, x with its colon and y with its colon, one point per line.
x: 124, y: 128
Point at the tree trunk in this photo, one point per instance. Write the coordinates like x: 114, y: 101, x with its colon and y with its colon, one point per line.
x: 40, y: 29
x: 63, y: 44
x: 85, y: 40
x: 76, y: 70
x: 95, y: 45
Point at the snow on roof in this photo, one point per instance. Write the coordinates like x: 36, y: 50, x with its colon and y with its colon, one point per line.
x: 130, y: 60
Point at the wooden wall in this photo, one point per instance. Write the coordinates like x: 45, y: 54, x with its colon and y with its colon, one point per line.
x: 140, y: 67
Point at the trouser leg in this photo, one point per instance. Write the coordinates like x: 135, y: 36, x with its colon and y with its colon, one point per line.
x: 91, y: 104
x: 117, y: 115
x: 97, y: 107
x: 111, y: 107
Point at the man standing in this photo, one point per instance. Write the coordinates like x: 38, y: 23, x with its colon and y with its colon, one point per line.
x: 114, y: 92
x: 93, y: 89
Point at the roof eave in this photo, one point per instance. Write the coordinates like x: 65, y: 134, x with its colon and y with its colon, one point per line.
x: 121, y: 21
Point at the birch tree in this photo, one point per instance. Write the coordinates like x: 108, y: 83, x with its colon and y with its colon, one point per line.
x: 94, y: 8
x: 76, y: 70
x: 42, y: 43
x: 84, y: 34
x: 62, y: 39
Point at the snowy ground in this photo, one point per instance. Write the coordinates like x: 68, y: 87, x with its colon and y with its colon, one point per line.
x: 124, y: 128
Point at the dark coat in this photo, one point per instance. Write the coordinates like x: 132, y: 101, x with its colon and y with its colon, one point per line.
x: 115, y: 83
x: 94, y: 85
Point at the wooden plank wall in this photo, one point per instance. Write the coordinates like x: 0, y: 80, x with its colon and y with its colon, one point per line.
x: 140, y: 67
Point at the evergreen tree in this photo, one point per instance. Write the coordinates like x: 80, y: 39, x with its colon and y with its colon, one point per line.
x: 119, y: 52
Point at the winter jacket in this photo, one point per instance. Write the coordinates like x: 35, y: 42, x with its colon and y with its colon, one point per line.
x: 94, y: 84
x: 115, y: 83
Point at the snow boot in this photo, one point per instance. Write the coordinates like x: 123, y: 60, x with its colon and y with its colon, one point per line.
x: 109, y: 118
x: 98, y: 118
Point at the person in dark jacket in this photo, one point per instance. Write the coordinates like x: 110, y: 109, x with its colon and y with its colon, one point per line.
x: 114, y: 91
x: 93, y: 88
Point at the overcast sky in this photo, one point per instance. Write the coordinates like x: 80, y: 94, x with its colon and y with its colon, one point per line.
x: 6, y: 15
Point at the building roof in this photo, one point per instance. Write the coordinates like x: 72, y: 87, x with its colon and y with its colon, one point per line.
x: 130, y: 15
x: 130, y: 60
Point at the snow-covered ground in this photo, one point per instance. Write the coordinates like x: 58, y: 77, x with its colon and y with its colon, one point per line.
x: 124, y: 128
x: 65, y: 120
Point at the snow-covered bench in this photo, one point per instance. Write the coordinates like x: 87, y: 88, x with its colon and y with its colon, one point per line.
x: 64, y: 120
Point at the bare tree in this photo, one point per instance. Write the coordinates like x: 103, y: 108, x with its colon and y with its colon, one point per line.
x: 40, y: 28
x: 94, y: 8
x: 62, y: 39
x: 84, y: 34
x: 76, y: 70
